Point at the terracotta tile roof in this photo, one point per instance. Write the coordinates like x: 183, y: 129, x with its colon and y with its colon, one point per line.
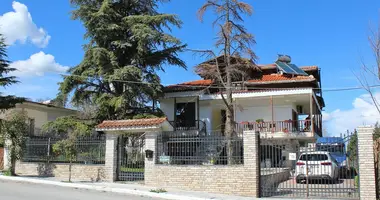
x: 281, y: 78
x: 130, y: 123
x: 206, y: 82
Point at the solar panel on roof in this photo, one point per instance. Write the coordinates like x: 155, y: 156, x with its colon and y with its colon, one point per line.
x: 290, y: 68
x: 285, y: 68
x: 298, y: 70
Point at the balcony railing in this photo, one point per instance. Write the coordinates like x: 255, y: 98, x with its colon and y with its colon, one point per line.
x: 288, y: 126
x: 188, y: 125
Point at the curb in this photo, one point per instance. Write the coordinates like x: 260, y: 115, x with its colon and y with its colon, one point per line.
x: 104, y: 189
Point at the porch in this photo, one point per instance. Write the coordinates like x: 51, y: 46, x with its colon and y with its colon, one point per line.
x: 274, y: 113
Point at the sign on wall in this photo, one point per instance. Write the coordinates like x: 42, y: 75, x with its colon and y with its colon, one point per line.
x: 292, y: 156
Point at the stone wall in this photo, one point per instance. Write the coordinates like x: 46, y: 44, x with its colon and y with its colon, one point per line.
x: 235, y: 179
x: 78, y: 172
x: 1, y: 158
x: 366, y: 162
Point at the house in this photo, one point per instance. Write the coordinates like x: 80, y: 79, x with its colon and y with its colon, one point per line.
x: 39, y: 114
x: 279, y: 100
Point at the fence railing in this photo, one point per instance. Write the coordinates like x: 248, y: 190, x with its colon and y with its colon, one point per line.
x: 288, y: 126
x: 89, y: 150
x: 195, y: 149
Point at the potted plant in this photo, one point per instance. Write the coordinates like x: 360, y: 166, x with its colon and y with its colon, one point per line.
x: 260, y: 122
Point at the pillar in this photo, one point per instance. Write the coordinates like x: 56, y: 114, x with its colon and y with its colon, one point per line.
x: 111, y: 157
x: 252, y: 160
x: 367, y: 181
x: 150, y: 144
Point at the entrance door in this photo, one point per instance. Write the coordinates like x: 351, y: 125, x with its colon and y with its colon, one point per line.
x: 131, y: 157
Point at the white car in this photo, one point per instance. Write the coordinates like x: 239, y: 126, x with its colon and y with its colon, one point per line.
x: 317, y: 165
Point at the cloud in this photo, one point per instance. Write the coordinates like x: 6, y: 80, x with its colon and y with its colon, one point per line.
x: 363, y: 112
x: 37, y: 65
x: 19, y: 26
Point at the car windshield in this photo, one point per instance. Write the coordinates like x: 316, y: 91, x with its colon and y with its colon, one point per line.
x: 314, y: 157
x: 331, y: 148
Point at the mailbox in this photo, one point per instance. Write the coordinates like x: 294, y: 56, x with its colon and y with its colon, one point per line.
x: 148, y: 153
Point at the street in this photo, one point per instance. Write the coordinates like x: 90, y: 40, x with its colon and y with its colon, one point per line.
x: 21, y: 191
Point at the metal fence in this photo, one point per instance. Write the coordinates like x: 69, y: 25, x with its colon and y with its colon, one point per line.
x: 90, y: 150
x: 291, y: 170
x: 193, y: 148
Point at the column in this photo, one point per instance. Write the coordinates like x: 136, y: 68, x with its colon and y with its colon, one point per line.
x: 252, y: 160
x: 111, y: 157
x: 150, y: 144
x: 367, y: 182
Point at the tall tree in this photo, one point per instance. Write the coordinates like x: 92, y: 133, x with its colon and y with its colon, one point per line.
x: 237, y: 57
x: 14, y: 129
x: 8, y: 101
x: 127, y: 45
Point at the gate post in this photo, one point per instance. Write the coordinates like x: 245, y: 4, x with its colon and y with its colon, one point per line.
x: 252, y: 160
x: 111, y: 157
x: 367, y: 182
x: 149, y: 171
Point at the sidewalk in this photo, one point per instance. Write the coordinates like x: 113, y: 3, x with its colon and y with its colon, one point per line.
x: 134, y: 189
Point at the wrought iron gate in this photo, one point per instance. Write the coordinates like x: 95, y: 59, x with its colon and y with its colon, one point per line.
x: 131, y: 157
x: 306, y: 170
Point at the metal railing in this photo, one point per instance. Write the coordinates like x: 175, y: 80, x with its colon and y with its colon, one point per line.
x: 89, y: 150
x: 188, y: 125
x: 195, y: 149
x: 287, y: 126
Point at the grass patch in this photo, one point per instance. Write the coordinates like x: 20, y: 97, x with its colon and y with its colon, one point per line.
x: 7, y: 172
x: 128, y: 169
x: 161, y: 190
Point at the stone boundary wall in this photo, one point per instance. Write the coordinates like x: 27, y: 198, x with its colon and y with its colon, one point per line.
x: 216, y: 179
x: 78, y: 172
x: 240, y: 180
x: 1, y: 158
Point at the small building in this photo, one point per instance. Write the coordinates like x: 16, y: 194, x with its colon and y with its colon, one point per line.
x: 39, y: 114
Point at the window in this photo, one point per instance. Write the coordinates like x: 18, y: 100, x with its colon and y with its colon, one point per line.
x: 314, y: 157
x: 185, y: 114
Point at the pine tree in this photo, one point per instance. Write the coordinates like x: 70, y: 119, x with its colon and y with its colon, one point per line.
x: 127, y: 46
x: 9, y: 101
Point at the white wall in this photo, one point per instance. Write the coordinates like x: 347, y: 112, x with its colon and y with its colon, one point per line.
x: 167, y: 106
x: 205, y: 114
x: 281, y: 113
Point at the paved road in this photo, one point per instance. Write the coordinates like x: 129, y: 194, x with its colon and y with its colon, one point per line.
x: 21, y: 191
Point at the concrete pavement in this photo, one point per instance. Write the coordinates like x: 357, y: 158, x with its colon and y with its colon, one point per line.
x: 11, y: 190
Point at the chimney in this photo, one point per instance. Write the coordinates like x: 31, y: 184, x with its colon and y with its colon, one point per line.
x: 284, y: 58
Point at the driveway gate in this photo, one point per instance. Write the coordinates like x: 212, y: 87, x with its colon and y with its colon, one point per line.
x: 293, y: 170
x: 131, y: 157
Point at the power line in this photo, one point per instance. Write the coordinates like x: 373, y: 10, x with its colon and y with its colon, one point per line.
x: 221, y: 87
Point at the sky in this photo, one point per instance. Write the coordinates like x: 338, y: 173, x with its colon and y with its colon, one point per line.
x: 44, y: 42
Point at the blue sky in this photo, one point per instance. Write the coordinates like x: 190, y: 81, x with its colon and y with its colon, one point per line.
x: 330, y: 34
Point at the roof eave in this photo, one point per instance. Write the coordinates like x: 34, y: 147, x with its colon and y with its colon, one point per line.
x: 274, y: 82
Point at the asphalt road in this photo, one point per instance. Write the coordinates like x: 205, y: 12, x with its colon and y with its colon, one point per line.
x: 20, y: 191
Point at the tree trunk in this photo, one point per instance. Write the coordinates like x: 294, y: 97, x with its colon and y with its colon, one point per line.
x: 13, y: 167
x: 71, y: 163
x: 229, y: 111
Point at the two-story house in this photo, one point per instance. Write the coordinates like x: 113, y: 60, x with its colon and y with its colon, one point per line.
x: 280, y: 100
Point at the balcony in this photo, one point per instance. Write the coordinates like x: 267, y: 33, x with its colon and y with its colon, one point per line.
x: 188, y: 125
x: 281, y: 129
